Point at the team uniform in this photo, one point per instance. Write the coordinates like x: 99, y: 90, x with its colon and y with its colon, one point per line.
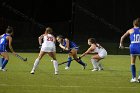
x: 100, y: 50
x: 135, y: 42
x: 135, y: 50
x: 102, y: 54
x: 3, y: 43
x: 48, y: 44
x: 71, y: 45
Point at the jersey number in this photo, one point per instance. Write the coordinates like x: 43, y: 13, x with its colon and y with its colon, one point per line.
x: 136, y: 37
x: 2, y: 40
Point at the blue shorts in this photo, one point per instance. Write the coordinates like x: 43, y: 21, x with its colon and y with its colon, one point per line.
x: 135, y: 49
x: 2, y: 48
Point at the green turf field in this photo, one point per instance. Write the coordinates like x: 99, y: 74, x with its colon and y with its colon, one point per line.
x: 114, y: 79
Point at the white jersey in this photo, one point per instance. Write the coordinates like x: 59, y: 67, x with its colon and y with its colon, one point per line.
x: 48, y: 44
x: 100, y: 50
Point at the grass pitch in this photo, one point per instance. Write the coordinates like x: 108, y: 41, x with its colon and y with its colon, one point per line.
x: 114, y: 79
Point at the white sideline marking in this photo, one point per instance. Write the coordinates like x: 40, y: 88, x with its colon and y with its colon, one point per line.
x: 7, y: 85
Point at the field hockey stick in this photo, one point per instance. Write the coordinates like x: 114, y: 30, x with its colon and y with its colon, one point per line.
x: 23, y: 59
x: 124, y: 47
x: 64, y: 62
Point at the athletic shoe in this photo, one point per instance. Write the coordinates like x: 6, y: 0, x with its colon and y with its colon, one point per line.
x: 139, y: 79
x: 56, y: 73
x: 3, y: 69
x: 101, y: 69
x: 95, y: 69
x: 32, y: 72
x: 133, y: 80
x: 66, y: 68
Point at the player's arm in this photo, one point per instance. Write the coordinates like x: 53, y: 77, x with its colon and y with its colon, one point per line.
x: 40, y: 39
x: 65, y: 47
x: 88, y: 51
x: 9, y: 38
x: 123, y: 37
x: 67, y: 44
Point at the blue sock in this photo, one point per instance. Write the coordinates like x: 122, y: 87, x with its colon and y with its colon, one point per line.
x: 69, y: 61
x: 82, y: 63
x: 4, y: 63
x: 133, y: 70
x: 1, y: 61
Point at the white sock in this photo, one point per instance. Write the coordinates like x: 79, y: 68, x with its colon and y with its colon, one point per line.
x: 35, y: 64
x: 94, y: 63
x: 55, y: 64
x: 100, y: 66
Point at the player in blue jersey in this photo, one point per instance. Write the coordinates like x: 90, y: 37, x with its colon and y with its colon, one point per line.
x: 134, y: 34
x: 71, y: 48
x: 5, y: 40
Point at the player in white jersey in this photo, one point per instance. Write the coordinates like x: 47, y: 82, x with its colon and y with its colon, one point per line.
x: 48, y: 46
x: 98, y: 53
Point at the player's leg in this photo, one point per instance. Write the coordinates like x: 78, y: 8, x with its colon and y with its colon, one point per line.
x: 55, y: 63
x: 41, y: 54
x: 139, y: 73
x: 133, y: 68
x: 1, y: 62
x: 69, y: 61
x: 74, y: 54
x: 95, y: 62
x: 5, y: 60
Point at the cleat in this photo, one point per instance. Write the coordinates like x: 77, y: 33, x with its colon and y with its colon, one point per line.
x: 133, y: 80
x: 100, y: 69
x: 66, y: 68
x: 3, y: 70
x: 32, y: 72
x: 95, y: 69
x: 56, y: 73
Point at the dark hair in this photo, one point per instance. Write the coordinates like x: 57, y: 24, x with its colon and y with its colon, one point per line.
x: 60, y: 36
x: 136, y: 22
x: 9, y: 29
x: 92, y: 40
x: 49, y: 30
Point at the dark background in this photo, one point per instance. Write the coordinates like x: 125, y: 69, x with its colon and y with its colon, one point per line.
x: 105, y: 20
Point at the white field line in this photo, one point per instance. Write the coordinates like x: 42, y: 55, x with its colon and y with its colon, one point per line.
x: 72, y: 86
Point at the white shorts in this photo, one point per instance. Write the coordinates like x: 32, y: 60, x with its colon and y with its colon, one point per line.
x: 48, y: 49
x: 103, y: 54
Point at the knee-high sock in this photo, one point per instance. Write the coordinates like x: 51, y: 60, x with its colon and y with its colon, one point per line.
x: 35, y: 64
x: 69, y: 62
x: 81, y: 62
x: 55, y: 64
x: 100, y: 65
x: 133, y: 70
x: 94, y: 63
x: 4, y: 63
x: 1, y: 61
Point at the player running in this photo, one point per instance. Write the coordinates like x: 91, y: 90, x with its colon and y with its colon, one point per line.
x: 71, y: 48
x: 99, y: 54
x: 134, y: 34
x: 6, y: 39
x: 48, y: 46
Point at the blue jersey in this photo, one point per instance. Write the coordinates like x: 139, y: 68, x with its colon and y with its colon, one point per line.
x: 135, y: 42
x: 3, y: 43
x: 71, y: 44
